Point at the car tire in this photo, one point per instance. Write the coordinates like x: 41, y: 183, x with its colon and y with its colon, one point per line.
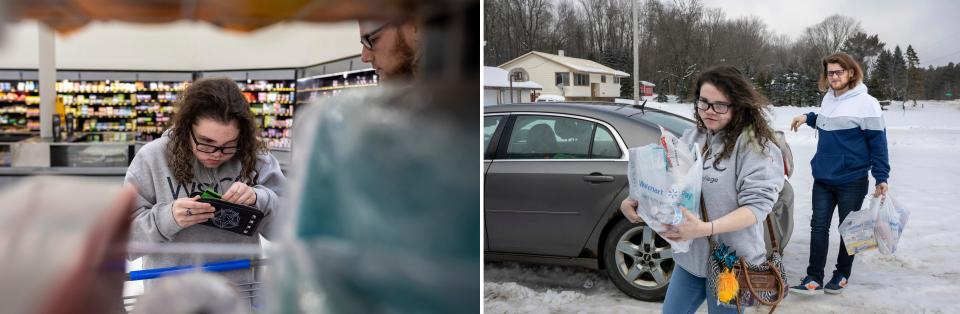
x: 638, y: 261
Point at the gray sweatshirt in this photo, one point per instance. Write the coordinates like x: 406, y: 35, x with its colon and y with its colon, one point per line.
x: 152, y: 217
x: 747, y: 178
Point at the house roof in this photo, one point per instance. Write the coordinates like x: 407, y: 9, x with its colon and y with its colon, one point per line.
x: 576, y: 64
x: 497, y: 77
x: 645, y: 83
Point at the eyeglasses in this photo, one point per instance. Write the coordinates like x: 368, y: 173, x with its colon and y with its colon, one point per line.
x: 719, y: 107
x: 369, y: 40
x: 210, y: 149
x: 836, y: 73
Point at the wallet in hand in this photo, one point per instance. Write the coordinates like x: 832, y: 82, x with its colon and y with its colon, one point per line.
x: 236, y: 218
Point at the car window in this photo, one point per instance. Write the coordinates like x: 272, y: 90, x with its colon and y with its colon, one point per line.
x: 604, y: 146
x: 489, y: 126
x: 672, y: 123
x: 549, y: 137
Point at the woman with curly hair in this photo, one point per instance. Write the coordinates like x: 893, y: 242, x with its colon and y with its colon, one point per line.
x: 213, y: 144
x: 742, y: 177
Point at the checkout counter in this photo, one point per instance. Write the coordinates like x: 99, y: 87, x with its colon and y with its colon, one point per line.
x: 83, y: 155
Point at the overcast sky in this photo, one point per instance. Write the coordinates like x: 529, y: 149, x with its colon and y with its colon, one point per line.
x: 931, y: 26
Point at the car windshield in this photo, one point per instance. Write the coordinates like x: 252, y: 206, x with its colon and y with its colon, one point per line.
x: 675, y: 124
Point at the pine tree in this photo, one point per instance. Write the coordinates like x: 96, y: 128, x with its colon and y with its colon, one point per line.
x: 881, y: 76
x: 762, y: 81
x: 898, y: 78
x: 862, y: 47
x: 661, y: 90
x: 914, y: 76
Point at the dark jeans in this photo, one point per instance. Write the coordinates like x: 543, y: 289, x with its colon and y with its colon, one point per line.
x: 848, y: 197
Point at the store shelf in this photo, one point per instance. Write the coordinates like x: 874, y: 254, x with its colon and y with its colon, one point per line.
x: 270, y: 102
x: 322, y: 86
x: 285, y: 90
x: 17, y: 102
x: 140, y: 100
x: 94, y: 93
x: 105, y: 117
x: 284, y: 115
x: 20, y: 106
x: 330, y: 88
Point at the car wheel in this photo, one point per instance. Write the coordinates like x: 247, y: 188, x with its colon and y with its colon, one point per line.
x: 638, y: 261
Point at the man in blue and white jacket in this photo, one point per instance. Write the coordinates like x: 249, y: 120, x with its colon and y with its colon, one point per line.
x: 852, y: 141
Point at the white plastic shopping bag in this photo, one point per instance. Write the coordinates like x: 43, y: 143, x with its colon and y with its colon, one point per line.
x: 891, y: 218
x: 857, y: 230
x: 664, y: 177
x: 878, y: 225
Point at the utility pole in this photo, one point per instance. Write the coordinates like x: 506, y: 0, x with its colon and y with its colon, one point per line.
x: 636, y: 54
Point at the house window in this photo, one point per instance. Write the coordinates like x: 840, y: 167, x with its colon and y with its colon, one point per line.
x: 580, y: 79
x: 603, y: 79
x: 616, y: 80
x: 562, y: 78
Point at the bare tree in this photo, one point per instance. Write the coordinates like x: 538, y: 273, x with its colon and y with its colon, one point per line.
x: 530, y: 18
x: 714, y: 40
x: 829, y: 35
x: 597, y: 24
x: 748, y: 42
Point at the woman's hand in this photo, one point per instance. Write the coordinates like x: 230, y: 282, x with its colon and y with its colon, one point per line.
x: 188, y: 211
x: 691, y: 228
x: 240, y: 193
x: 797, y: 121
x: 629, y: 209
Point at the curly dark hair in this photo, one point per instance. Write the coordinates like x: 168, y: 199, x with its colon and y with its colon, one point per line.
x: 749, y: 109
x: 219, y: 99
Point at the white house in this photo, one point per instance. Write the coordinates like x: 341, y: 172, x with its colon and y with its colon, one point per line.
x: 573, y: 78
x: 496, y: 88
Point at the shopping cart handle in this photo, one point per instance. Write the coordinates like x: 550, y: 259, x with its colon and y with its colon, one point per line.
x: 211, y: 267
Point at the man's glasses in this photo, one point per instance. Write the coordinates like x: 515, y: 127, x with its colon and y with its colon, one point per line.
x: 369, y: 39
x: 210, y: 149
x: 836, y: 73
x: 720, y: 108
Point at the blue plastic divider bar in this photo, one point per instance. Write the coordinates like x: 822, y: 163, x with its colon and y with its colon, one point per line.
x: 211, y: 267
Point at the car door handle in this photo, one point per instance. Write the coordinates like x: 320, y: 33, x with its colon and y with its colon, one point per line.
x: 597, y: 177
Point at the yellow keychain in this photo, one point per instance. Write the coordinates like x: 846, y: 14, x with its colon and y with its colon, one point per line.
x: 727, y: 286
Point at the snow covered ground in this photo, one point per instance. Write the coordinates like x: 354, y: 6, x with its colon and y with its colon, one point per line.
x: 923, y: 276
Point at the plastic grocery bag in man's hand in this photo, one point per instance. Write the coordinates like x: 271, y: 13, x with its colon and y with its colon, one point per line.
x: 664, y: 177
x: 877, y: 225
x: 891, y: 218
x: 857, y: 229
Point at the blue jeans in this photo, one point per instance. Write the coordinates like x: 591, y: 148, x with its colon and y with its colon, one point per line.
x: 848, y: 197
x: 686, y: 292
